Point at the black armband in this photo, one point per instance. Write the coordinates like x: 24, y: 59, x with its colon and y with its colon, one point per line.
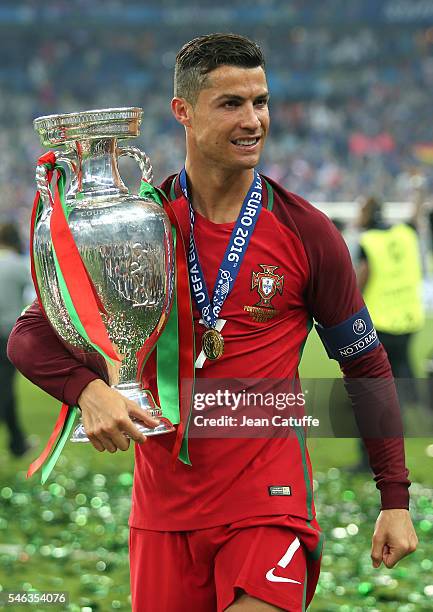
x: 351, y: 338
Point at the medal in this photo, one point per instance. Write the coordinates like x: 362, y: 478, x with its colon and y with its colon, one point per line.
x: 212, y: 340
x: 212, y: 343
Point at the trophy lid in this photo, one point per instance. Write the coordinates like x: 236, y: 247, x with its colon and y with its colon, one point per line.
x: 88, y: 125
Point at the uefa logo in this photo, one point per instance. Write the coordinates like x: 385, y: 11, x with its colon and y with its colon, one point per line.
x: 359, y: 326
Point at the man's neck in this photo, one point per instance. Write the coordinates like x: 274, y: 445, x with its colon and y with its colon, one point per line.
x: 216, y: 193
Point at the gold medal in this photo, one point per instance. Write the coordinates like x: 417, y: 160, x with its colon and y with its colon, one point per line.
x: 212, y: 343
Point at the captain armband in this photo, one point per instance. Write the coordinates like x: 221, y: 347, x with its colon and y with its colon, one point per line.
x: 351, y: 338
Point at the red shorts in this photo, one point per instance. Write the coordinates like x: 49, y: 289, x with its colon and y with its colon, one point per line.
x: 275, y: 559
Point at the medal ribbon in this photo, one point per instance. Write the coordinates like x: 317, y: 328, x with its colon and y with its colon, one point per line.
x: 233, y: 256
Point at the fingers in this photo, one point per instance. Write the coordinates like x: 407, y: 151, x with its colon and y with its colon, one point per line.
x: 117, y: 439
x: 106, y: 418
x: 377, y: 550
x: 96, y: 443
x: 391, y: 555
x: 132, y: 431
x: 110, y: 437
x: 113, y: 438
x: 108, y: 444
x: 142, y: 415
x: 104, y: 442
x: 394, y: 537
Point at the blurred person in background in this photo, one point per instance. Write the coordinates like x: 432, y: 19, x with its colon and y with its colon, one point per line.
x: 389, y: 274
x: 14, y: 282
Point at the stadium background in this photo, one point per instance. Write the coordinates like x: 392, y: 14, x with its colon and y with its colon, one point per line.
x: 350, y: 105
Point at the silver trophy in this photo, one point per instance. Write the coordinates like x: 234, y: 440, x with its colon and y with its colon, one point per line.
x: 125, y: 241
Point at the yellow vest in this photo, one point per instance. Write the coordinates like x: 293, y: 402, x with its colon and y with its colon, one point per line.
x: 393, y: 289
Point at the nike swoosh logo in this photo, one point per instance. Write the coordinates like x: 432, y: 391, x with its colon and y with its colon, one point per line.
x: 272, y: 578
x: 284, y: 562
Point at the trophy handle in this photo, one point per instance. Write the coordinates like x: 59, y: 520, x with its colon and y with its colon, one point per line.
x: 141, y: 158
x: 42, y: 182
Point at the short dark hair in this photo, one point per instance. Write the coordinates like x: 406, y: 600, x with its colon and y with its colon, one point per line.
x: 200, y: 56
x: 10, y: 236
x: 374, y: 209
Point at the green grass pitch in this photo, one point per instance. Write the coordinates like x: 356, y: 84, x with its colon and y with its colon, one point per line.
x: 72, y: 533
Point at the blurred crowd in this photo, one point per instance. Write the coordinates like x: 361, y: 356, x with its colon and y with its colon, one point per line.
x: 350, y: 86
x: 350, y: 104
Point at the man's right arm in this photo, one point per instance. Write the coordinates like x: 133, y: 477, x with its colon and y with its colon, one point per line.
x: 81, y: 380
x: 37, y: 352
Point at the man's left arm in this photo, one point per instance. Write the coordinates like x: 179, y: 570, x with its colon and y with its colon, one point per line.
x: 371, y: 388
x: 333, y: 299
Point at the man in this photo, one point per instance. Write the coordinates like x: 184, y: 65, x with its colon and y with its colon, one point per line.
x: 14, y: 280
x: 236, y: 530
x: 390, y: 278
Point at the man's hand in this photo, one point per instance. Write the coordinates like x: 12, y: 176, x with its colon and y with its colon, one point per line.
x: 394, y: 537
x: 106, y: 417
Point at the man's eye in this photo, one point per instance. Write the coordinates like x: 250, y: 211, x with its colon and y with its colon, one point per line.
x: 262, y: 102
x: 231, y: 103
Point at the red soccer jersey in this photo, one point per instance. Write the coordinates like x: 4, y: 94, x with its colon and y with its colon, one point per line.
x: 230, y: 478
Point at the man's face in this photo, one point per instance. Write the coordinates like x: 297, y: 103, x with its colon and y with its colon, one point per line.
x: 230, y: 120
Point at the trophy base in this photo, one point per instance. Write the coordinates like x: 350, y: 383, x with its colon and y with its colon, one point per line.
x: 134, y: 393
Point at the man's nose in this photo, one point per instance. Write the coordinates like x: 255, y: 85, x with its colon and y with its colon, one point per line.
x: 250, y: 119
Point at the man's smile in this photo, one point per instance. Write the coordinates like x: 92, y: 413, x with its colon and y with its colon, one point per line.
x: 246, y: 142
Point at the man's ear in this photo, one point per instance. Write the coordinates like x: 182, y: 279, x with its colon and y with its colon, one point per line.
x: 182, y: 111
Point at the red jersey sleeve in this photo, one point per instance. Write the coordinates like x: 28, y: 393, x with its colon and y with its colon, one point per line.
x: 38, y: 353
x: 332, y: 296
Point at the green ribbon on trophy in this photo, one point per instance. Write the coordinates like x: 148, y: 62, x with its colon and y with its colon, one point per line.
x: 171, y: 346
x: 175, y: 349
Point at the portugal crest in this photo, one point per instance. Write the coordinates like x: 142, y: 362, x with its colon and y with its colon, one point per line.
x: 267, y: 284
